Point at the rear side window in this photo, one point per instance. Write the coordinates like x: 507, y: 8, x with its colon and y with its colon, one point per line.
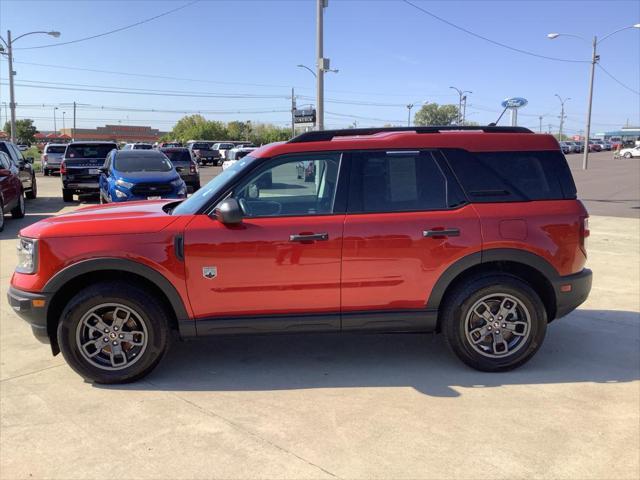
x: 512, y: 176
x: 181, y: 156
x: 399, y: 181
x: 56, y: 149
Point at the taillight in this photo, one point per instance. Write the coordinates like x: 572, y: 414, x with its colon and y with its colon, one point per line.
x: 63, y: 168
x: 584, y: 234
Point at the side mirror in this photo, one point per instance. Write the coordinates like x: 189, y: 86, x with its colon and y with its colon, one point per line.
x: 228, y: 212
x: 29, y: 159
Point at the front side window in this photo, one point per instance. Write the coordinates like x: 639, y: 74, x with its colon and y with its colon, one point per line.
x: 293, y: 185
x: 397, y: 181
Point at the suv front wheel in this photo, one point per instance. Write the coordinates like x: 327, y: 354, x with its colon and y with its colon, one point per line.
x: 113, y: 332
x: 494, y: 323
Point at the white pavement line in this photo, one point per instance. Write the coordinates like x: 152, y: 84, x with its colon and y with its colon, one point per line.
x: 245, y: 430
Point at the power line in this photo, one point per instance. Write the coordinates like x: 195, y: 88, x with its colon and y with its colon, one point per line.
x: 494, y: 42
x: 618, y: 81
x: 141, y: 22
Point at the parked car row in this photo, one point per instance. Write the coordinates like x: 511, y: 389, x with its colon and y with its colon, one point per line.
x: 17, y: 181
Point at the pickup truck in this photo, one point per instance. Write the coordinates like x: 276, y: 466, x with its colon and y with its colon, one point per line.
x: 80, y: 167
x: 202, y: 152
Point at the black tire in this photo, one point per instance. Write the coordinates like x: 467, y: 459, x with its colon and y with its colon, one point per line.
x: 47, y: 172
x: 147, y: 307
x: 19, y: 210
x: 67, y: 195
x: 627, y: 155
x: 33, y: 192
x: 458, y: 306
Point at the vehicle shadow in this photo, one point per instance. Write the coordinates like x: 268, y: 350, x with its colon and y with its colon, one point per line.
x: 587, y: 346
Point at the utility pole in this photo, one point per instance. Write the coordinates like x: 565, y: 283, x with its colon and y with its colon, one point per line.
x: 73, y: 133
x: 594, y: 59
x: 464, y: 109
x: 63, y: 127
x: 55, y: 128
x: 293, y: 110
x: 12, y: 97
x: 540, y: 129
x: 320, y: 66
x: 409, y: 107
x: 562, y: 101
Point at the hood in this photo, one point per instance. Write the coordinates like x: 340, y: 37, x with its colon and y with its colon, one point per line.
x: 148, y: 177
x: 113, y: 219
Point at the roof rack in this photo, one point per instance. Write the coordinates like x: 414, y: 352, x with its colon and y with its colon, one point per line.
x: 325, y: 135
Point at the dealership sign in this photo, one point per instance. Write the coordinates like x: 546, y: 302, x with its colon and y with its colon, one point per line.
x: 306, y: 115
x: 514, y: 102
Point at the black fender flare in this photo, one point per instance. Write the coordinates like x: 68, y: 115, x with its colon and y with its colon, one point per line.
x: 186, y: 325
x: 487, y: 256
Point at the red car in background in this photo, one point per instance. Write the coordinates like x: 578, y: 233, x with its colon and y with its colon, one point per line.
x: 11, y: 194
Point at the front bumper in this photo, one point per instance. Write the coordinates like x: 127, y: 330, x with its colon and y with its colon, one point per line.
x: 571, y: 291
x: 31, y: 307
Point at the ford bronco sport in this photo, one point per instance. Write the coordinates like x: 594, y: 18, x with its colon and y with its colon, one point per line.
x: 472, y: 232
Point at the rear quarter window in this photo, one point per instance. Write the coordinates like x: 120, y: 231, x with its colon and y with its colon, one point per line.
x: 516, y: 176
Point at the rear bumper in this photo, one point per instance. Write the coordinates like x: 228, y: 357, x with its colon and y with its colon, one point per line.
x: 571, y: 291
x: 24, y: 304
x: 79, y: 187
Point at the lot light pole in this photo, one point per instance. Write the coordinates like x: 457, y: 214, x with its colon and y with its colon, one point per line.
x: 562, y: 101
x: 8, y: 43
x: 63, y: 114
x: 595, y: 58
x: 55, y: 128
x: 409, y: 107
x: 461, y: 95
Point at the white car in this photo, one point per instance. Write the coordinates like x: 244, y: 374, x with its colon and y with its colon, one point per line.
x: 236, y: 154
x: 630, y: 152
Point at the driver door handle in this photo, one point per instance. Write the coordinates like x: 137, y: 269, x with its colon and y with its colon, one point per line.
x: 310, y: 237
x: 445, y: 232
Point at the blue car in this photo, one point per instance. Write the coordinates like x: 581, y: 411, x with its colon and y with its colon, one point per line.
x: 139, y: 175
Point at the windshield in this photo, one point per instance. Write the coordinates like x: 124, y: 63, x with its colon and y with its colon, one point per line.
x: 196, y: 201
x: 89, y: 151
x: 142, y: 164
x: 178, y: 155
x: 142, y: 146
x: 200, y: 146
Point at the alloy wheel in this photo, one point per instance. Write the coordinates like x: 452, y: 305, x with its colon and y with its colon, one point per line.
x: 112, y: 336
x: 497, y: 325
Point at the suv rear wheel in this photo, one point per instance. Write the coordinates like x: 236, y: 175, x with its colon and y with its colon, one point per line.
x: 494, y: 323
x: 113, y: 332
x: 19, y: 209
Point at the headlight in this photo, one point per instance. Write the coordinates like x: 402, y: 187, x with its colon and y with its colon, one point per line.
x: 27, y: 255
x: 124, y: 184
x: 120, y: 194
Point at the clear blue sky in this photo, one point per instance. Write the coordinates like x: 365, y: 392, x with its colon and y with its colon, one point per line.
x: 387, y: 53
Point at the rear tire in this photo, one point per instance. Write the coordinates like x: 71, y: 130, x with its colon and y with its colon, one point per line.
x: 510, y: 334
x: 19, y: 210
x: 67, y: 195
x: 627, y: 155
x: 132, y: 321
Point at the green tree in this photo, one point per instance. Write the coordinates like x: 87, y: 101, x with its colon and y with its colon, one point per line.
x: 434, y: 114
x: 238, y: 130
x: 25, y: 130
x: 262, y: 133
x: 196, y: 127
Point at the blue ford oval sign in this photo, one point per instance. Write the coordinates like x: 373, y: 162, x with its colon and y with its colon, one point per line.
x: 514, y: 102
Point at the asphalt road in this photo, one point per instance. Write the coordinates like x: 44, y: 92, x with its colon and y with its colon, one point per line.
x: 332, y: 406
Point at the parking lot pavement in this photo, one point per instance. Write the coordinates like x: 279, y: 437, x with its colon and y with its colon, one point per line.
x: 327, y: 406
x: 609, y: 187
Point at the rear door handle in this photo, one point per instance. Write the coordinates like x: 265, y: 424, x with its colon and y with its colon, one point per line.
x: 447, y: 232
x: 310, y: 237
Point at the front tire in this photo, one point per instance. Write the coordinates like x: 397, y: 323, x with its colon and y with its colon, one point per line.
x: 19, y: 210
x: 494, y: 323
x: 67, y: 195
x: 113, y: 333
x: 627, y: 155
x: 33, y: 193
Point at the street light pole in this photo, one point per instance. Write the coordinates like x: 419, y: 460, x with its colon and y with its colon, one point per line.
x: 461, y: 94
x: 12, y: 96
x: 595, y: 58
x: 63, y: 127
x: 409, y: 107
x: 55, y: 128
x: 320, y: 66
x: 12, y: 100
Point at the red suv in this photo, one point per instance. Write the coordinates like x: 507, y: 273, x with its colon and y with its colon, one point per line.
x: 472, y: 232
